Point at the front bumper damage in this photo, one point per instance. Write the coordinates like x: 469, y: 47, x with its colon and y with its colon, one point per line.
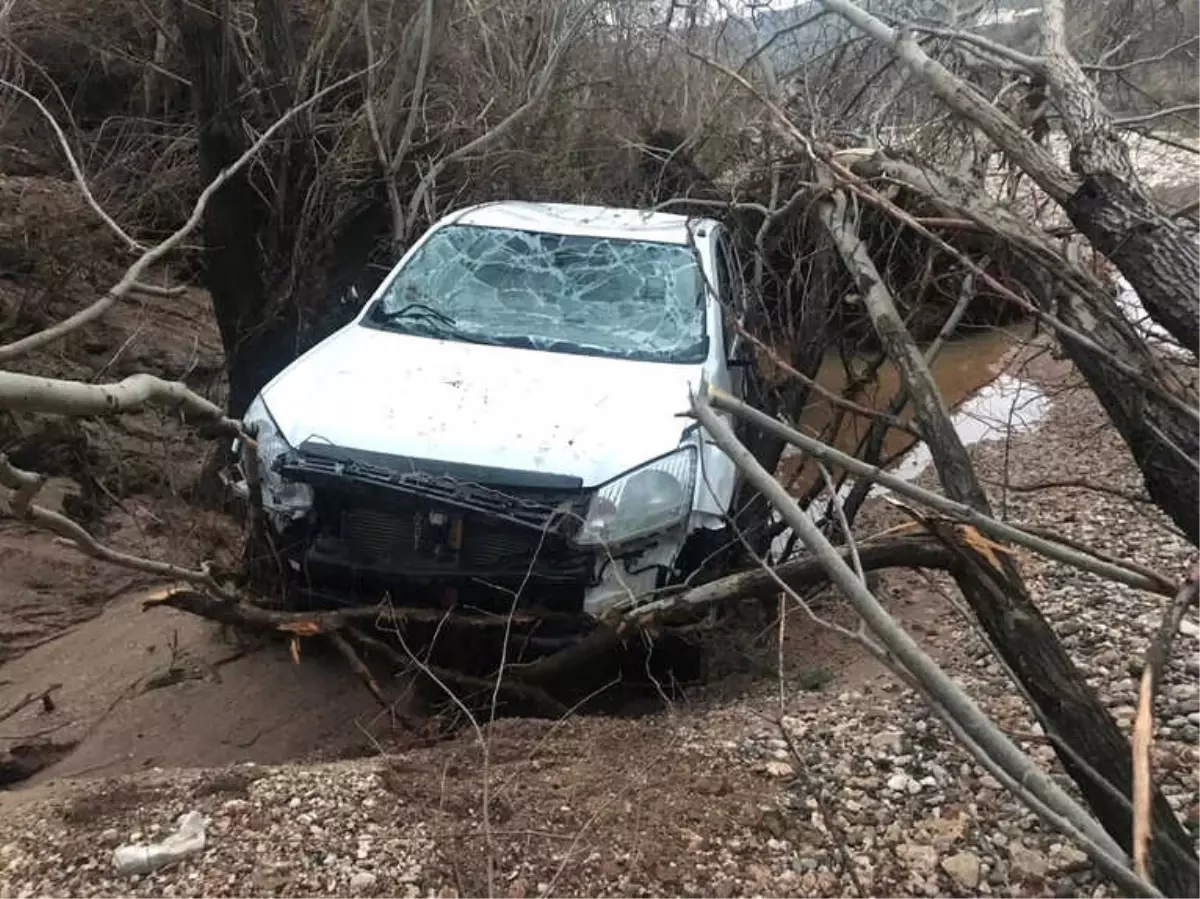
x: 456, y: 535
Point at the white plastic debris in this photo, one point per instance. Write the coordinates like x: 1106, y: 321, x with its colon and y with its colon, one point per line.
x: 142, y: 858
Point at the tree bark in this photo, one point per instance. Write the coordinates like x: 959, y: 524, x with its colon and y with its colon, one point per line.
x: 1165, y: 445
x: 993, y: 587
x: 251, y: 230
x: 1158, y: 258
x: 1102, y: 196
x: 232, y: 259
x: 1162, y: 440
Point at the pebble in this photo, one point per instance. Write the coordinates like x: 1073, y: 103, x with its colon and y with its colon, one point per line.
x: 965, y: 868
x: 1027, y: 863
x: 362, y: 883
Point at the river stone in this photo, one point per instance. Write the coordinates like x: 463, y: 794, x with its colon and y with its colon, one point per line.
x: 919, y: 859
x: 1027, y: 863
x: 965, y: 868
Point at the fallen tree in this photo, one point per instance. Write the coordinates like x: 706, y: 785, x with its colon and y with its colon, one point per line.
x: 1098, y: 338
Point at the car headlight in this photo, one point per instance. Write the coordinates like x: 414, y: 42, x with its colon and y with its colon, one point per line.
x: 645, y: 501
x: 284, y: 499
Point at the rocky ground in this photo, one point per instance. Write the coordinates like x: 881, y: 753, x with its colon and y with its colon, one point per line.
x: 829, y: 779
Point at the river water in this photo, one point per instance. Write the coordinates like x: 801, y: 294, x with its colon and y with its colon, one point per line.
x: 986, y: 404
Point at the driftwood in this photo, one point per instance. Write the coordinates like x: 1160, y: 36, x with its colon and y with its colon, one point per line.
x: 1143, y: 728
x: 534, y: 683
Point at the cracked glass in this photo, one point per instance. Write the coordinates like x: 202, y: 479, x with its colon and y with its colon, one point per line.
x: 626, y: 299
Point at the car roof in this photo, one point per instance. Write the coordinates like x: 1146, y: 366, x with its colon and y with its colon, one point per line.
x: 584, y: 221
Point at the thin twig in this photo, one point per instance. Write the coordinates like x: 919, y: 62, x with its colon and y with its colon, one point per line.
x: 76, y: 170
x: 1143, y: 728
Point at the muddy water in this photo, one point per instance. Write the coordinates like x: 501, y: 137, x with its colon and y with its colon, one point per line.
x: 985, y: 402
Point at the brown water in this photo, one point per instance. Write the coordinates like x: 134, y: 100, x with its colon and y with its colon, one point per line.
x: 962, y: 369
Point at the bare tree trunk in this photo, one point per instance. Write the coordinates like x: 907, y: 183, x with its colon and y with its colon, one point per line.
x: 995, y: 590
x: 1148, y: 415
x: 233, y: 256
x: 1158, y: 257
x: 1103, y: 197
x: 264, y: 271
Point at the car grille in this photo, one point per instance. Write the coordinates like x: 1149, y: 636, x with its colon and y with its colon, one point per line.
x: 388, y: 538
x: 416, y: 525
x: 403, y: 539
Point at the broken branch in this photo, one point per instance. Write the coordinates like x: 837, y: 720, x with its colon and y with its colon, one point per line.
x: 29, y: 393
x: 90, y: 546
x: 988, y: 525
x: 1143, y: 729
x: 807, y: 571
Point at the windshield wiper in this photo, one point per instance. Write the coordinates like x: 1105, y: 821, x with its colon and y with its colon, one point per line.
x: 414, y: 311
x: 434, y: 323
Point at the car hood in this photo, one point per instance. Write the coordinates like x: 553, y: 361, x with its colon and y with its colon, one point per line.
x: 553, y: 413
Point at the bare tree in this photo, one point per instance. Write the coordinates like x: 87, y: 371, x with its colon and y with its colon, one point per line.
x: 1092, y: 747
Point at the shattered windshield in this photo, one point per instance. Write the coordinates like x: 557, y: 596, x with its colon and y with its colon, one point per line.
x: 599, y: 296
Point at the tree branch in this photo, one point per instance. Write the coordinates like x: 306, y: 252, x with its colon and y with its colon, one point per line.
x: 964, y: 99
x: 807, y: 571
x: 1095, y: 146
x: 76, y: 170
x: 1157, y: 114
x: 30, y: 393
x: 947, y: 694
x: 998, y: 530
x: 1022, y: 60
x: 14, y: 488
x: 147, y: 260
x: 542, y: 87
x: 1125, y: 66
x: 954, y: 466
x: 830, y: 396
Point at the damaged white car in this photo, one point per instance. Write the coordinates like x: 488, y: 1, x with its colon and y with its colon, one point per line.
x: 507, y: 414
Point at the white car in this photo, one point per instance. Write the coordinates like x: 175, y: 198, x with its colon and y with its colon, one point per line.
x: 507, y: 414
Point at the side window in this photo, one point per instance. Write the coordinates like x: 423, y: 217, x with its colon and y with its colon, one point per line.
x: 728, y: 289
x: 724, y: 275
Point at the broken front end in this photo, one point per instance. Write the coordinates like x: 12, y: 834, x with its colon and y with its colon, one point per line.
x: 352, y: 527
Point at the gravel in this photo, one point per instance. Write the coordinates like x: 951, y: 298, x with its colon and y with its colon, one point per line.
x: 851, y: 789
